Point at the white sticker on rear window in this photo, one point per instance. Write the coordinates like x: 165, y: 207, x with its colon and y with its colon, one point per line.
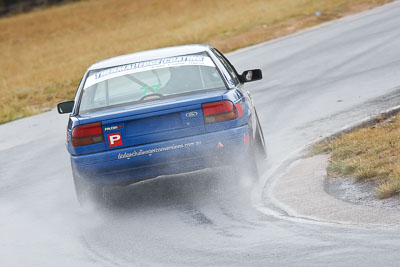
x: 148, y: 65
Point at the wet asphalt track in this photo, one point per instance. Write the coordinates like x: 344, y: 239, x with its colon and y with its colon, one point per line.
x: 314, y: 83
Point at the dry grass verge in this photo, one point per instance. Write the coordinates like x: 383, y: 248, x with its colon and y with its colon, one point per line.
x: 368, y: 154
x: 45, y: 52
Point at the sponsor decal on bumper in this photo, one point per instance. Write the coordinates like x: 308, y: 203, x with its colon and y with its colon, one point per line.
x: 128, y: 155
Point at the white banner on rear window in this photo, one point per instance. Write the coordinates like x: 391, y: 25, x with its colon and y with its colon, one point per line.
x: 148, y: 65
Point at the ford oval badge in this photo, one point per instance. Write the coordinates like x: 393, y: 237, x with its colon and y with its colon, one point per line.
x: 191, y: 114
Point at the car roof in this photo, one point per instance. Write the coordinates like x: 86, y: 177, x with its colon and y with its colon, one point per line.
x: 150, y: 54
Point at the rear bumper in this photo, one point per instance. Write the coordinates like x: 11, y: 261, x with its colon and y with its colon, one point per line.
x: 133, y: 164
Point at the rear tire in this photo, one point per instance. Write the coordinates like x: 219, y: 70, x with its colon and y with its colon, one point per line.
x: 259, y: 142
x: 253, y: 166
x: 86, y: 192
x: 248, y: 168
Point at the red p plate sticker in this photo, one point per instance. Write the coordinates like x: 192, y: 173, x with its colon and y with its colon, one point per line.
x: 114, y: 139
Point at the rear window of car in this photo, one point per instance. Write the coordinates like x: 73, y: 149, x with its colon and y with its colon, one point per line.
x: 148, y: 81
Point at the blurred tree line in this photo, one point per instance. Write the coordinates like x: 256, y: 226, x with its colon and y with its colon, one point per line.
x: 17, y: 6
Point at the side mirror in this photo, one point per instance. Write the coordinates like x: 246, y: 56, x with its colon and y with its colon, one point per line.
x: 65, y: 107
x: 251, y: 75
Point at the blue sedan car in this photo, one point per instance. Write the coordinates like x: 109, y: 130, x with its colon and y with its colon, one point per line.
x: 160, y: 112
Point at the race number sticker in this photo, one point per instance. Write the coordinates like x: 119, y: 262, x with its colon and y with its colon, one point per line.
x: 114, y: 139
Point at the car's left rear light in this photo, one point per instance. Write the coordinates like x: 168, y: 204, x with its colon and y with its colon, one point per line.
x: 87, y: 134
x: 219, y: 111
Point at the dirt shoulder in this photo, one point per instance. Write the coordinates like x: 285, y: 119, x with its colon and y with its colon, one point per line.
x: 300, y: 192
x: 359, y: 193
x: 325, y: 187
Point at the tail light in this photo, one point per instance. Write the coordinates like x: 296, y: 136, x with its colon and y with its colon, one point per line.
x: 87, y: 134
x: 219, y: 111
